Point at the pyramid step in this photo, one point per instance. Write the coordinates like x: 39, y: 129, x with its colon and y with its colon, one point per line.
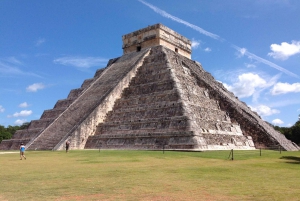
x: 12, y: 144
x: 158, y: 124
x: 128, y: 106
x: 152, y: 76
x: 6, y: 144
x: 143, y: 140
x: 27, y: 133
x: 86, y: 83
x: 46, y: 143
x: 41, y: 123
x: 203, y: 105
x: 74, y: 93
x: 225, y: 139
x: 105, y: 87
x: 64, y: 103
x: 148, y: 88
x: 150, y: 69
x: 140, y: 140
x: 52, y: 113
x: 161, y: 96
x: 145, y: 112
x: 141, y: 134
x: 98, y: 73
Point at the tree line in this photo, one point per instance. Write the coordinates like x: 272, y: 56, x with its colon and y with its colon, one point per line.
x: 291, y: 133
x: 6, y: 133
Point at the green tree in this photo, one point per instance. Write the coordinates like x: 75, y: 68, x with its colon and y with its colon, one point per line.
x: 4, y: 134
x: 7, y: 133
x: 291, y: 133
x: 295, y: 132
x: 24, y: 125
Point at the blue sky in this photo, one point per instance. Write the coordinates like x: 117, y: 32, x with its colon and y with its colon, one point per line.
x: 48, y: 48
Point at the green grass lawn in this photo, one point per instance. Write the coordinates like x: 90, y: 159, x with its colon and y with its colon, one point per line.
x: 150, y: 175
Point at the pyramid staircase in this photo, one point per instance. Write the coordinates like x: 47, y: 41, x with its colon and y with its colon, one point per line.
x: 36, y: 127
x: 151, y: 99
x: 79, y: 119
x: 163, y: 107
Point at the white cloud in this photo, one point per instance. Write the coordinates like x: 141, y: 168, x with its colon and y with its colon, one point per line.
x: 284, y: 50
x: 264, y: 110
x: 207, y: 49
x: 283, y: 88
x: 244, y: 51
x: 246, y: 85
x: 2, y: 108
x: 81, y: 62
x: 8, y: 69
x: 34, y: 87
x: 250, y: 65
x: 8, y: 66
x: 241, y: 52
x: 277, y: 122
x: 23, y: 113
x: 40, y: 41
x: 195, y: 43
x: 13, y: 60
x: 20, y: 121
x: 167, y: 15
x: 285, y: 102
x: 23, y: 105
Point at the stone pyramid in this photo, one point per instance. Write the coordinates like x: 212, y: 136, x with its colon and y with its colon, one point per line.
x: 153, y: 97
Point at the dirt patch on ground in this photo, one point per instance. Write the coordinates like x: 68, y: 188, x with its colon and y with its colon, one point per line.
x: 154, y: 197
x: 8, y: 152
x: 83, y: 197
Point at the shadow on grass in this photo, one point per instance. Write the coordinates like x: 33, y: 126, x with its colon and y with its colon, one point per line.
x: 291, y: 159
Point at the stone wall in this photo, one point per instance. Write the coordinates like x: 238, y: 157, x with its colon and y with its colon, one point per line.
x: 79, y: 119
x: 212, y: 125
x: 148, y: 114
x: 157, y: 111
x: 250, y: 123
x: 154, y: 35
x: 36, y: 127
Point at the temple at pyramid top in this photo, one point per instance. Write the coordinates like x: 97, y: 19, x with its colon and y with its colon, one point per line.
x: 153, y: 97
x: 154, y: 35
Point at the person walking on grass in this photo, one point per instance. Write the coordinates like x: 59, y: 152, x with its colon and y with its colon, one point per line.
x: 22, y: 151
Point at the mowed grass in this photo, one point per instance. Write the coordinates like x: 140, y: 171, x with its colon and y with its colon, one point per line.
x: 150, y: 175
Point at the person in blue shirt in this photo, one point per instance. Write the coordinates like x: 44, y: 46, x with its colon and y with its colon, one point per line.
x: 22, y: 151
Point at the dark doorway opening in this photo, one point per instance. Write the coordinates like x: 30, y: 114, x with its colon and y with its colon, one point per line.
x: 138, y: 48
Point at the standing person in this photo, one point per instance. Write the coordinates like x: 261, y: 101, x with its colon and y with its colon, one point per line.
x: 22, y: 151
x: 67, y: 145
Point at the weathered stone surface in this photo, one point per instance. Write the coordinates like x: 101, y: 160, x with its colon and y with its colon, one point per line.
x: 63, y: 104
x: 155, y: 35
x: 79, y: 120
x: 164, y: 106
x: 151, y: 99
x: 20, y: 136
x: 53, y: 113
x: 75, y: 93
